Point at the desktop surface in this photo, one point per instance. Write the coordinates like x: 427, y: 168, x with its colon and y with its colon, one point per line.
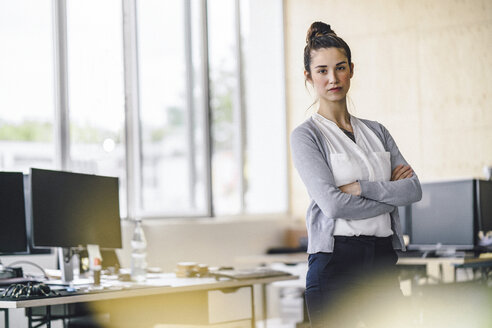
x: 262, y: 272
x: 156, y: 284
x: 162, y: 299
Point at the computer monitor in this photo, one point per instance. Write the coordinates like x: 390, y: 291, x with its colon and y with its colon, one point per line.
x: 445, y: 217
x: 31, y: 250
x: 13, y: 234
x: 74, y: 209
x: 484, y: 197
x: 405, y: 213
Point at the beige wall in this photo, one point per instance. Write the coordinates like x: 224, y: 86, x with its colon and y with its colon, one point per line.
x: 216, y: 242
x: 422, y: 68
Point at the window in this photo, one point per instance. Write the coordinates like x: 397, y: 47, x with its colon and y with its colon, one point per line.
x: 249, y: 171
x: 172, y: 153
x: 264, y: 99
x: 227, y: 163
x: 96, y: 89
x: 26, y: 85
x: 173, y: 97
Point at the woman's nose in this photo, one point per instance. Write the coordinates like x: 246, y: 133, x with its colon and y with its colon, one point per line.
x: 332, y: 77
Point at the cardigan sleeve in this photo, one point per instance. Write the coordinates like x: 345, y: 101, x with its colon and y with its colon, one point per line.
x: 320, y: 183
x: 396, y: 193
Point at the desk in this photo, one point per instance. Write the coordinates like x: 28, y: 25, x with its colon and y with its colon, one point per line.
x: 443, y: 269
x: 440, y: 268
x: 437, y: 304
x: 482, y: 264
x: 165, y: 300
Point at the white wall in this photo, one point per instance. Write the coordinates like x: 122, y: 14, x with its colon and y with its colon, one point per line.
x: 215, y: 242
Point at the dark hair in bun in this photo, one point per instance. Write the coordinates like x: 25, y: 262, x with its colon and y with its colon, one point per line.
x: 319, y: 36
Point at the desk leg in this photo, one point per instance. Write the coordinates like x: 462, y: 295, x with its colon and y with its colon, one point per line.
x: 264, y: 300
x: 64, y: 320
x: 6, y: 317
x: 29, y: 317
x: 48, y: 316
x: 38, y: 322
x: 253, y: 318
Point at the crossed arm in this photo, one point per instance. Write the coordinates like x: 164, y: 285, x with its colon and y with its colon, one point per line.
x: 320, y: 183
x: 399, y: 173
x: 403, y: 188
x: 358, y: 200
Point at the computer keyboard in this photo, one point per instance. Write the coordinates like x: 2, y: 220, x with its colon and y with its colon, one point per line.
x: 13, y: 292
x: 249, y: 273
x: 26, y: 290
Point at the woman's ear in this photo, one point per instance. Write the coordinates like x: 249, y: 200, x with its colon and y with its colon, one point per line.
x: 307, y: 76
x: 351, y: 70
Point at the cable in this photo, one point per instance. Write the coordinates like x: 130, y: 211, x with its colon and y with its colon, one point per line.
x: 31, y: 263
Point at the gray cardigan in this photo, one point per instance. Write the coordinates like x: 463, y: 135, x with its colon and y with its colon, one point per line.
x: 310, y: 154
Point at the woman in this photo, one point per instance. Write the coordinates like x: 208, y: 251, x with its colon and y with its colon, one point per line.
x: 356, y: 178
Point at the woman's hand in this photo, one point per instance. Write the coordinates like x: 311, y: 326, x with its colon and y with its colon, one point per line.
x: 401, y: 172
x: 351, y: 188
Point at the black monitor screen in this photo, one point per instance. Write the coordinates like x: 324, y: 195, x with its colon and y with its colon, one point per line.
x: 74, y: 209
x: 405, y: 215
x: 13, y: 237
x: 485, y: 204
x: 445, y: 215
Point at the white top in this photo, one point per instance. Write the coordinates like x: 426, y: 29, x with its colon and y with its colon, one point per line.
x: 366, y: 159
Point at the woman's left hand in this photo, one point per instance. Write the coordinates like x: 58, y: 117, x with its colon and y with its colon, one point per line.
x: 351, y: 188
x: 401, y: 172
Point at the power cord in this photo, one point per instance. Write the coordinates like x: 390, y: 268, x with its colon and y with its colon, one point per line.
x: 30, y: 263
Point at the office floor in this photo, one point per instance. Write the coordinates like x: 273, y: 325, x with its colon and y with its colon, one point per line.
x: 276, y: 323
x: 451, y: 305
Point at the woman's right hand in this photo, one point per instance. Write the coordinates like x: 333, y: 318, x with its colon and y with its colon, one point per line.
x: 401, y: 172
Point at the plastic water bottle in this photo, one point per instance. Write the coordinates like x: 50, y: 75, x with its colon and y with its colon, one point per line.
x: 139, y: 253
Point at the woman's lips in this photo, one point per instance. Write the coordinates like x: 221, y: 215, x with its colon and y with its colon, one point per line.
x: 335, y: 89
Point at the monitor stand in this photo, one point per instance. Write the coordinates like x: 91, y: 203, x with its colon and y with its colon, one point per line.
x: 65, y: 260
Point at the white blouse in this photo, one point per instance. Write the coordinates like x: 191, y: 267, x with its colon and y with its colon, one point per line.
x: 366, y: 159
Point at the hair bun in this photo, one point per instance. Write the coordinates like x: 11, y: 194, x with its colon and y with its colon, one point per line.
x: 318, y: 29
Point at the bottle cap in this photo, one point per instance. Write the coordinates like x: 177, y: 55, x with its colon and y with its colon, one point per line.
x: 97, y: 263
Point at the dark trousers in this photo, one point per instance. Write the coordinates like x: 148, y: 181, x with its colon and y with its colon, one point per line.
x: 357, y: 282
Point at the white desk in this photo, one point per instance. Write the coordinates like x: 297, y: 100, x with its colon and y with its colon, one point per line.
x: 167, y: 301
x: 442, y: 268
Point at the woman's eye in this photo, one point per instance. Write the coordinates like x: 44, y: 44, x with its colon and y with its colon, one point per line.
x: 322, y: 71
x: 340, y: 68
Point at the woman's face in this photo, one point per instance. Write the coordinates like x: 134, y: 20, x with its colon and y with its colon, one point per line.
x: 330, y: 74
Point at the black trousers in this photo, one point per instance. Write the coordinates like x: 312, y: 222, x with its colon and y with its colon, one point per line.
x: 358, y: 281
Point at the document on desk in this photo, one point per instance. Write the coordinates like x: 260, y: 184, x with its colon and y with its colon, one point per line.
x: 170, y: 279
x: 75, y: 282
